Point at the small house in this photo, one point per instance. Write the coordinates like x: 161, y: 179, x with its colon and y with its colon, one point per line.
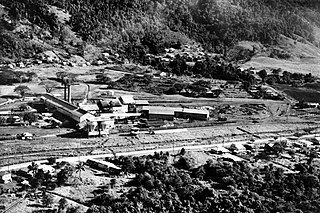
x: 127, y: 99
x: 5, y: 177
x: 219, y: 150
x: 305, y: 143
x: 230, y: 157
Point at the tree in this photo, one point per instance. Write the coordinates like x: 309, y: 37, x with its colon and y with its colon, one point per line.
x: 63, y: 175
x: 183, y: 151
x: 113, y: 182
x: 61, y: 75
x: 3, y: 120
x: 73, y: 209
x: 21, y: 90
x: 30, y: 117
x: 79, y: 168
x: 103, y: 78
x: 63, y: 204
x: 47, y: 200
x: 33, y: 168
x: 263, y: 74
x: 49, y: 85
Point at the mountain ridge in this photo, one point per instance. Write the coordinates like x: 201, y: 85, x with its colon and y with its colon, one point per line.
x: 136, y: 28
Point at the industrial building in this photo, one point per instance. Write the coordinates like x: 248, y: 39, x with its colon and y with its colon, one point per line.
x: 92, y: 125
x: 111, y: 105
x: 140, y: 104
x: 193, y: 114
x: 169, y: 113
x: 76, y: 114
x: 159, y: 113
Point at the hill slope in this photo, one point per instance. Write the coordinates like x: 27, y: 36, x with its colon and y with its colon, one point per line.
x: 136, y: 27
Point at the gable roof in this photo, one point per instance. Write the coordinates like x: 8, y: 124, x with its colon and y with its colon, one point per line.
x: 127, y: 99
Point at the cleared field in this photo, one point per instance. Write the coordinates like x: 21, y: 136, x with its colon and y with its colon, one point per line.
x: 301, y: 93
x: 304, y: 66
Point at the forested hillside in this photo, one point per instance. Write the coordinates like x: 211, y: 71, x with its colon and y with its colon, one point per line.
x: 137, y: 27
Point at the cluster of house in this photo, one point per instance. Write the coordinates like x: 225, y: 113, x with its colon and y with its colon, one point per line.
x: 269, y: 146
x: 265, y: 92
x: 98, y: 118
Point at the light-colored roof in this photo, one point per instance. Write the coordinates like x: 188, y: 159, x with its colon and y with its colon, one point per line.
x: 59, y: 102
x: 25, y: 182
x: 220, y: 149
x: 193, y: 111
x: 161, y: 110
x: 127, y: 99
x: 281, y: 139
x: 105, y: 163
x: 27, y: 134
x: 46, y: 168
x: 305, y: 142
x: 89, y: 107
x: 232, y: 157
x: 142, y: 102
x: 239, y: 146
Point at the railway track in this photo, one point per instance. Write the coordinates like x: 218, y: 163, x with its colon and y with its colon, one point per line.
x: 12, y: 205
x: 20, y: 157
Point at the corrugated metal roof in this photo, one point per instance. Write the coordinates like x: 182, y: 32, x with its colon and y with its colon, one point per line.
x: 63, y: 103
x: 193, y: 111
x: 127, y: 99
x: 142, y: 102
x: 89, y: 107
x: 160, y: 110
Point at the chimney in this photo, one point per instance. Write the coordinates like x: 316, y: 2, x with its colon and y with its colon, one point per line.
x: 65, y: 92
x: 69, y: 93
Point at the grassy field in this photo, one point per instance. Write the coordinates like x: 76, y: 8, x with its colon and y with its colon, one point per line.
x: 301, y: 93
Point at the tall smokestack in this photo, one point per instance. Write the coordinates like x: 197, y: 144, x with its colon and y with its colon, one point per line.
x: 65, y: 92
x: 69, y: 93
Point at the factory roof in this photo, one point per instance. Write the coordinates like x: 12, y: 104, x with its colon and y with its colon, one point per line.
x: 60, y: 102
x: 67, y: 108
x: 142, y: 102
x: 161, y: 110
x: 89, y: 107
x: 193, y: 111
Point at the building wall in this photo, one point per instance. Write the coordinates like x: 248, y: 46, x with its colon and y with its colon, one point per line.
x: 160, y: 117
x: 194, y: 116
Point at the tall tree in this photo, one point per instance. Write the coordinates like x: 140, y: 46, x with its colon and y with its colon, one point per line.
x: 33, y: 167
x: 21, y: 90
x: 49, y: 85
x: 79, y: 168
x: 30, y: 117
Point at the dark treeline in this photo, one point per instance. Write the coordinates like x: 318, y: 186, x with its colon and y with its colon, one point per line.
x: 212, y: 187
x: 136, y: 27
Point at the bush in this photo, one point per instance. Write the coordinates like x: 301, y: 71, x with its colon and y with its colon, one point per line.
x: 52, y: 160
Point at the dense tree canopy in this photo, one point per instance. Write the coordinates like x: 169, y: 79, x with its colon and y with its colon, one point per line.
x: 212, y: 187
x: 136, y: 27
